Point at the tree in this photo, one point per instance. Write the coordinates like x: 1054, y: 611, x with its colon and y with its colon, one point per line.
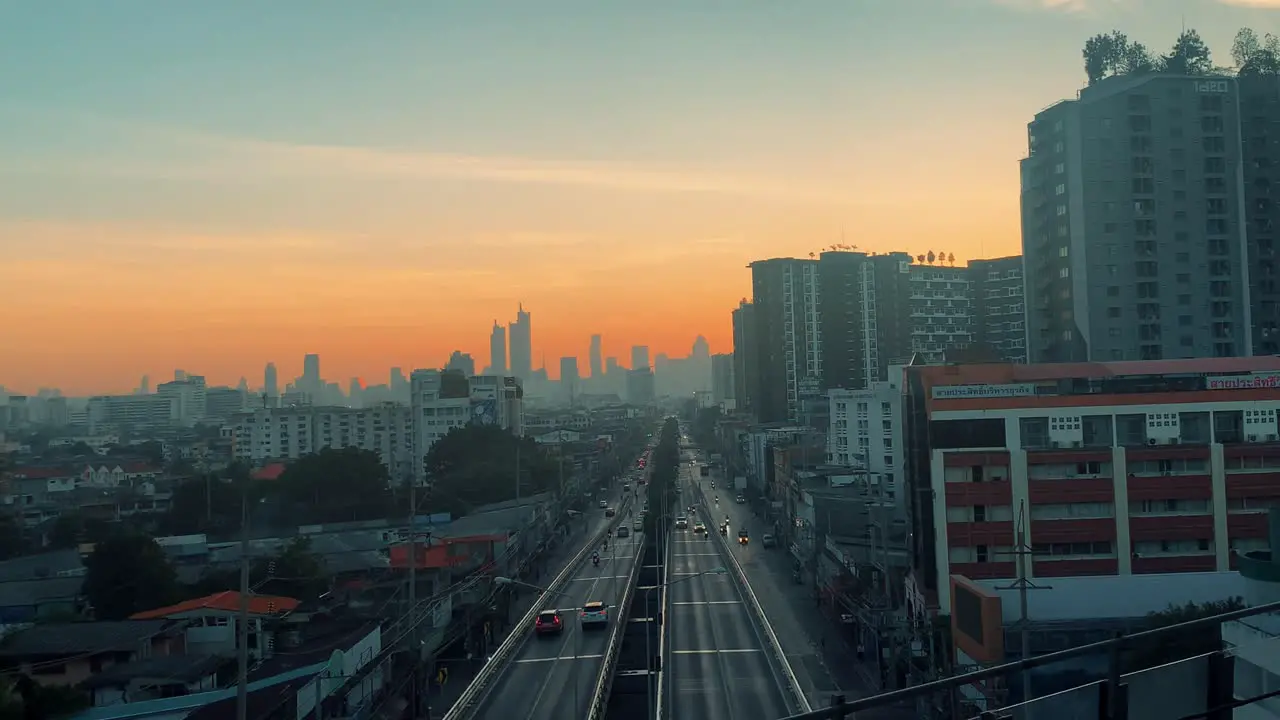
x: 1171, y: 648
x: 128, y: 573
x: 12, y: 541
x: 295, y: 572
x: 931, y: 257
x: 72, y: 528
x: 22, y: 697
x: 337, y: 485
x: 1189, y: 56
x: 1254, y: 57
x: 920, y: 259
x: 476, y: 465
x: 951, y: 258
x: 209, y: 502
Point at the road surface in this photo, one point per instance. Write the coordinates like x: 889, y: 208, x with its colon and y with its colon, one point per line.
x: 718, y: 668
x: 552, y: 677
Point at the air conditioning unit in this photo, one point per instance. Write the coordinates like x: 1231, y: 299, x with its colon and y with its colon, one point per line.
x: 1076, y: 444
x: 1251, y: 438
x: 1152, y: 441
x: 1055, y: 444
x: 1271, y: 438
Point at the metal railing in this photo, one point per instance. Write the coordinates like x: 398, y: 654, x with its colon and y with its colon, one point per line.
x: 664, y: 652
x: 1113, y: 698
x: 764, y: 631
x: 497, y: 663
x: 604, y: 681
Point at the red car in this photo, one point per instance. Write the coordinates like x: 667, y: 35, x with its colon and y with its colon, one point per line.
x: 548, y: 623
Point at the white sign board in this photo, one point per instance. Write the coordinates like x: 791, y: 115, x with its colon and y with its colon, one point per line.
x: 962, y: 392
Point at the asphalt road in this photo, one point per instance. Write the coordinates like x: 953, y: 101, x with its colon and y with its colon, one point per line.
x: 823, y: 663
x: 552, y: 677
x: 718, y: 668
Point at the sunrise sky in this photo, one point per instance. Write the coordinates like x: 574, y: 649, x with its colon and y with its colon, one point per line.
x: 212, y: 185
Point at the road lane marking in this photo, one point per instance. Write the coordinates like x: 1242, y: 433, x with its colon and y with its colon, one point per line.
x: 563, y: 657
x: 709, y: 602
x: 599, y: 577
x: 713, y: 652
x: 697, y: 554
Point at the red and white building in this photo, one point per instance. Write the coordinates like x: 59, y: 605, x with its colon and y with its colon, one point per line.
x: 1121, y: 470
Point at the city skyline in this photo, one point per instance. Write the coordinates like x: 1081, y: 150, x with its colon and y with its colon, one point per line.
x: 223, y: 230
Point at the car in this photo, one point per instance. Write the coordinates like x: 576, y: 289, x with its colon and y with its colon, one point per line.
x: 699, y: 528
x: 682, y: 523
x: 626, y: 487
x: 768, y: 540
x: 740, y: 500
x: 604, y: 504
x: 595, y: 614
x: 548, y: 623
x: 743, y: 538
x: 638, y: 525
x: 624, y: 531
x: 610, y: 512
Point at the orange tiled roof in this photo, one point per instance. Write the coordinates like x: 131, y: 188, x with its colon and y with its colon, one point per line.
x: 225, y: 601
x: 272, y: 471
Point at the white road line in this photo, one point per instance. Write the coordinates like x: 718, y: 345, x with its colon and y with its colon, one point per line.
x: 697, y: 554
x: 600, y: 577
x: 709, y: 602
x: 565, y: 657
x: 713, y: 652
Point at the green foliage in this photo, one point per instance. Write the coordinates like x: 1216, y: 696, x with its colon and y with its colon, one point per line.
x: 476, y: 465
x: 72, y: 528
x: 1256, y: 57
x: 295, y: 572
x: 664, y: 469
x: 128, y: 573
x: 703, y: 430
x: 212, y: 502
x: 1111, y: 54
x: 12, y: 541
x: 1177, y: 646
x: 336, y: 486
x: 22, y: 698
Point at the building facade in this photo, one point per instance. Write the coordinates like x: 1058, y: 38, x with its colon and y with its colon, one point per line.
x: 866, y: 433
x: 723, y: 382
x: 1109, y: 469
x: 521, y: 339
x: 498, y: 349
x: 1133, y: 224
x: 787, y: 337
x: 997, y: 289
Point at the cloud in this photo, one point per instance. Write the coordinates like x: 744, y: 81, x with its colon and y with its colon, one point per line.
x: 215, y: 157
x: 1075, y: 7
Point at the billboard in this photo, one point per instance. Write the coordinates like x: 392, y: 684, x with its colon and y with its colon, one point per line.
x: 977, y: 624
x: 484, y: 412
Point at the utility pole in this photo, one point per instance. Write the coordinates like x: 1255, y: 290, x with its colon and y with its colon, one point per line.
x: 1022, y: 552
x: 242, y: 621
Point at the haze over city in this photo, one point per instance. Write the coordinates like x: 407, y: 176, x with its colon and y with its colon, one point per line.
x: 182, y: 188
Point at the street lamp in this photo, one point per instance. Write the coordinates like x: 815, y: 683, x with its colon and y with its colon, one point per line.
x: 648, y: 652
x: 577, y: 644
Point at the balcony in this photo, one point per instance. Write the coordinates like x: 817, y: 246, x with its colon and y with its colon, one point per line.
x: 983, y: 493
x: 1071, y: 490
x: 1169, y: 487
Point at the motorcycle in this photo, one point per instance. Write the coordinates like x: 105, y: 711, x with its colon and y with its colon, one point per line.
x: 595, y: 560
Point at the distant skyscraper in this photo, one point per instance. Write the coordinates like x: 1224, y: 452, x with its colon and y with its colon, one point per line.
x: 639, y: 357
x: 744, y: 355
x: 701, y: 348
x: 144, y: 387
x: 522, y: 345
x: 596, y: 359
x: 569, y: 377
x: 610, y: 366
x: 270, y: 381
x: 498, y: 349
x: 461, y: 362
x: 179, y: 375
x: 311, y: 371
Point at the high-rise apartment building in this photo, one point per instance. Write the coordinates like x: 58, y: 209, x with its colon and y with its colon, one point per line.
x: 788, y: 344
x: 744, y: 356
x: 498, y: 349
x: 639, y: 357
x: 569, y: 378
x: 1260, y: 140
x: 596, y: 357
x: 722, y: 381
x: 997, y: 287
x: 521, y: 332
x: 1133, y: 232
x: 311, y: 370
